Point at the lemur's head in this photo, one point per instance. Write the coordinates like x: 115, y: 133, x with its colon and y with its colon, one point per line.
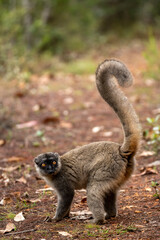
x: 48, y: 163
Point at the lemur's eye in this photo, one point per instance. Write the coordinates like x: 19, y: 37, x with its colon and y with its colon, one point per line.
x: 43, y: 164
x: 54, y: 162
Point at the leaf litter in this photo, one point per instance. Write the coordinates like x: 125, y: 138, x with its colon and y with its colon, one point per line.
x: 81, y: 121
x: 9, y: 227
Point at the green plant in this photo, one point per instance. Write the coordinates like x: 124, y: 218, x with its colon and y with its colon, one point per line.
x: 152, y: 55
x: 152, y: 135
x: 155, y: 184
x: 10, y: 215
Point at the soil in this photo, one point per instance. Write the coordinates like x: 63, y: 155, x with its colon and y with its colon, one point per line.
x: 58, y: 113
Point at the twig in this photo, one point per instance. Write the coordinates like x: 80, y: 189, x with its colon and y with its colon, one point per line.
x: 24, y: 231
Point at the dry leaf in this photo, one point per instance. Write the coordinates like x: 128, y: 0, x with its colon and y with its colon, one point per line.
x: 9, y: 169
x: 107, y: 134
x: 82, y: 215
x: 153, y: 164
x: 147, y: 154
x: 21, y: 180
x: 66, y: 125
x: 89, y: 104
x: 4, y: 178
x: 9, y: 227
x: 68, y: 100
x: 14, y: 159
x: 44, y: 189
x: 137, y: 211
x: 35, y: 200
x: 148, y: 189
x: 51, y: 119
x: 122, y: 190
x: 128, y: 207
x: 26, y: 124
x: 19, y: 217
x: 2, y: 142
x: 97, y: 129
x: 66, y: 234
x: 5, y: 200
x: 135, y: 99
x: 84, y: 212
x: 19, y: 94
x: 30, y: 200
x: 156, y: 111
x: 37, y: 107
x: 150, y: 82
x: 148, y: 170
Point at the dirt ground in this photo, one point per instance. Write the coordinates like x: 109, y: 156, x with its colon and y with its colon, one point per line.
x: 57, y: 113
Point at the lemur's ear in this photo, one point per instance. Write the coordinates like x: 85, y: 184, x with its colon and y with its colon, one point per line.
x: 36, y: 160
x: 56, y: 154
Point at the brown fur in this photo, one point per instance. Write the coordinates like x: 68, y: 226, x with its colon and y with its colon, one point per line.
x: 100, y: 167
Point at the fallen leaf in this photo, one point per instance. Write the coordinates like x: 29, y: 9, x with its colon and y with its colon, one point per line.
x: 25, y: 194
x: 37, y: 107
x: 122, y: 190
x: 153, y: 164
x: 148, y: 189
x: 147, y: 154
x: 68, y: 100
x: 16, y: 194
x: 89, y: 104
x: 21, y: 180
x: 9, y: 227
x: 82, y: 215
x: 26, y: 124
x: 4, y: 178
x: 139, y: 226
x: 2, y: 142
x: 84, y: 212
x: 9, y: 169
x: 35, y: 200
x: 156, y: 111
x: 128, y: 207
x: 19, y: 217
x: 66, y: 234
x: 51, y: 119
x: 5, y: 201
x: 30, y: 200
x: 19, y: 94
x: 66, y: 125
x: 135, y: 99
x: 107, y: 134
x: 147, y: 171
x: 14, y: 159
x: 150, y: 82
x: 44, y: 189
x: 97, y: 129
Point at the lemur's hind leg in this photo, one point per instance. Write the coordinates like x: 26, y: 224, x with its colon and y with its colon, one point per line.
x: 110, y: 204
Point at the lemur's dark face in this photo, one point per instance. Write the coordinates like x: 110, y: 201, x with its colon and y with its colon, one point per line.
x: 48, y: 163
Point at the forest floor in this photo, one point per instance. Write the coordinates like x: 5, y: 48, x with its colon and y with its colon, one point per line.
x: 58, y: 112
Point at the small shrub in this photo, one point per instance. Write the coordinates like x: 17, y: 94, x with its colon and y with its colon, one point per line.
x: 152, y: 56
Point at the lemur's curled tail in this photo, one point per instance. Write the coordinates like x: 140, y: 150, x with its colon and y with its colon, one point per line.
x: 117, y: 100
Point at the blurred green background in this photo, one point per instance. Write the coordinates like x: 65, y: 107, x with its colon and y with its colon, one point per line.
x: 41, y: 29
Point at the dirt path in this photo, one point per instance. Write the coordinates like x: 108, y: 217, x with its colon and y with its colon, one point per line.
x: 57, y: 114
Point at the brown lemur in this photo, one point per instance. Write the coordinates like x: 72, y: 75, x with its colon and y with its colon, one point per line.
x: 99, y: 167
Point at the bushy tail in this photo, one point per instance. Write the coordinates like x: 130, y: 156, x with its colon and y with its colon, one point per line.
x: 117, y: 100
